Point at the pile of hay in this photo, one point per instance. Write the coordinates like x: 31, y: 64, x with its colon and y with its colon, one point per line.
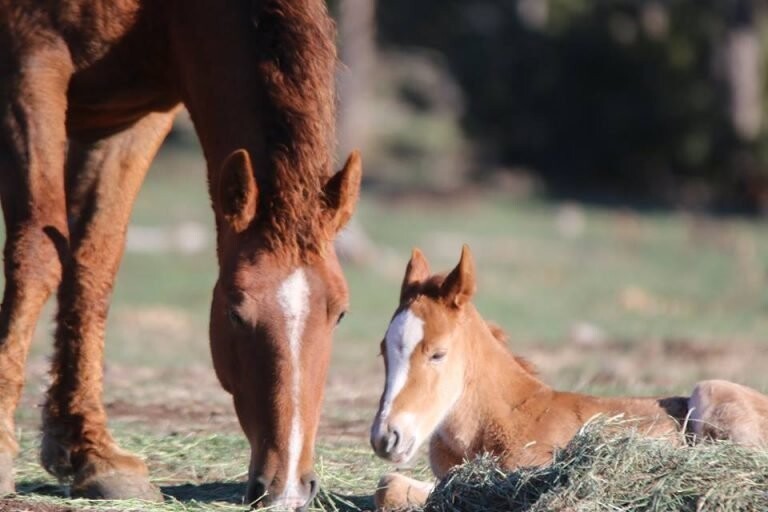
x: 603, y: 470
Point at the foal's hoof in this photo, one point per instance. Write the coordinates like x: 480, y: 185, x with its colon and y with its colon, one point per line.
x: 117, y: 486
x: 6, y: 474
x: 398, y: 492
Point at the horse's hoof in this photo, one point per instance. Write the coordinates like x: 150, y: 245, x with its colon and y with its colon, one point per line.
x: 6, y: 474
x: 117, y: 486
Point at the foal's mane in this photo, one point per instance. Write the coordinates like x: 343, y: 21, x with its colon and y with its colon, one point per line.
x: 297, y: 59
x: 501, y: 336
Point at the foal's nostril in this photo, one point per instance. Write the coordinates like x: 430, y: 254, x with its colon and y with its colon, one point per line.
x: 257, y: 490
x: 393, y: 439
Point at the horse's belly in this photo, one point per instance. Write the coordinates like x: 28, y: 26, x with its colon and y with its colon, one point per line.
x: 120, y: 88
x: 96, y: 111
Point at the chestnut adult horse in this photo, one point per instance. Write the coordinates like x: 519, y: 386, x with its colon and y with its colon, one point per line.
x: 88, y: 90
x: 452, y: 380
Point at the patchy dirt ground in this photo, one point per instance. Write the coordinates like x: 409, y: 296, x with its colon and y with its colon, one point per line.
x: 189, y: 400
x: 22, y: 505
x: 606, y: 302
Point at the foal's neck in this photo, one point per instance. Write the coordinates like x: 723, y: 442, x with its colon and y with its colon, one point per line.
x: 495, y: 383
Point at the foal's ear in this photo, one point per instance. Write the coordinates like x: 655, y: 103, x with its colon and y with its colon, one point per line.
x: 342, y: 190
x: 237, y: 192
x: 416, y: 272
x: 459, y: 286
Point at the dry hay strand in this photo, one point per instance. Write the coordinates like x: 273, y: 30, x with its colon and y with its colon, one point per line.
x: 602, y: 469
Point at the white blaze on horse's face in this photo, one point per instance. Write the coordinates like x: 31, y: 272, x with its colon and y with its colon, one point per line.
x: 293, y: 298
x: 420, y: 389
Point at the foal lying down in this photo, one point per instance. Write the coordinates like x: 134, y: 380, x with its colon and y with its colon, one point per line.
x: 451, y: 379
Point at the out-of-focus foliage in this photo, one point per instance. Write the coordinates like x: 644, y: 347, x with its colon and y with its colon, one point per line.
x: 416, y: 136
x: 403, y: 109
x: 624, y: 96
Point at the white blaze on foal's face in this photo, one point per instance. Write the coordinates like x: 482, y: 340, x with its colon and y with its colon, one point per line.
x: 420, y: 389
x: 405, y: 332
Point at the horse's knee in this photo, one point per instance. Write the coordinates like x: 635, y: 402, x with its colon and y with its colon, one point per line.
x: 34, y: 259
x: 398, y: 492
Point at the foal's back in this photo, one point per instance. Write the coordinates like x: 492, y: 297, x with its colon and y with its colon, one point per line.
x: 658, y: 415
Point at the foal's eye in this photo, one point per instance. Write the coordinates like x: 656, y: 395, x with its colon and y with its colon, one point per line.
x: 341, y: 317
x: 235, y: 318
x: 437, y: 357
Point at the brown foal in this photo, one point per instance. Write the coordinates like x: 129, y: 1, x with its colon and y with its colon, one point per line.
x: 451, y: 379
x: 88, y: 90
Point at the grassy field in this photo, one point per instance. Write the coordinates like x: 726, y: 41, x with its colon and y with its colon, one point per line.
x: 602, y: 300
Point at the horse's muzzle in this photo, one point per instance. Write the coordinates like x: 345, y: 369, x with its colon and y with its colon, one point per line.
x: 258, y: 494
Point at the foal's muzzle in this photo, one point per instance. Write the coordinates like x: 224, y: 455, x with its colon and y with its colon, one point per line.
x: 259, y: 494
x: 390, y: 443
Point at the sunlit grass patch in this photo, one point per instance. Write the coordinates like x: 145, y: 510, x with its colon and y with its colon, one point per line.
x: 204, y: 472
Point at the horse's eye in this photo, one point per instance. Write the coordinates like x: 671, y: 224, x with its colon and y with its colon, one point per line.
x: 341, y: 317
x: 235, y: 318
x: 437, y: 357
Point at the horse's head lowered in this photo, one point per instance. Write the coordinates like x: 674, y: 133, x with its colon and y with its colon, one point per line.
x: 425, y: 356
x: 275, y: 306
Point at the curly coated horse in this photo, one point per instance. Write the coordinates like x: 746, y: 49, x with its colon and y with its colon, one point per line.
x: 88, y: 91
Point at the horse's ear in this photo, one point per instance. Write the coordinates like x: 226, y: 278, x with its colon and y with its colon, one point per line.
x: 238, y: 194
x: 460, y: 285
x: 342, y: 191
x: 416, y: 272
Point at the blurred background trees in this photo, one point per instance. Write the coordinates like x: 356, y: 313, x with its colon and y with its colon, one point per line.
x: 653, y: 101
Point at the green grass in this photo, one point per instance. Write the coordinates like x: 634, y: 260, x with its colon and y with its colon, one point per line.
x: 207, y: 472
x: 642, y: 278
x: 703, y: 278
x: 704, y: 283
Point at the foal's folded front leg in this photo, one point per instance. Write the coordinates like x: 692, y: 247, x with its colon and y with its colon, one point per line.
x: 398, y: 492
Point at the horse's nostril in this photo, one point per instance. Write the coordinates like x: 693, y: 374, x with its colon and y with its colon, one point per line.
x: 309, y: 480
x: 314, y: 487
x: 257, y: 490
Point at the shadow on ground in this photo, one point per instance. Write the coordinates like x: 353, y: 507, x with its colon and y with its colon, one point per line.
x: 40, y: 488
x: 343, y: 503
x: 234, y: 492
x: 206, y: 493
x: 226, y: 492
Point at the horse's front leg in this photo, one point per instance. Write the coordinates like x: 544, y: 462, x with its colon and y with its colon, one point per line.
x: 103, y: 179
x: 398, y: 492
x: 33, y: 107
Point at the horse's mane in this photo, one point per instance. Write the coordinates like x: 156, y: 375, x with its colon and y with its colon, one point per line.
x: 297, y: 60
